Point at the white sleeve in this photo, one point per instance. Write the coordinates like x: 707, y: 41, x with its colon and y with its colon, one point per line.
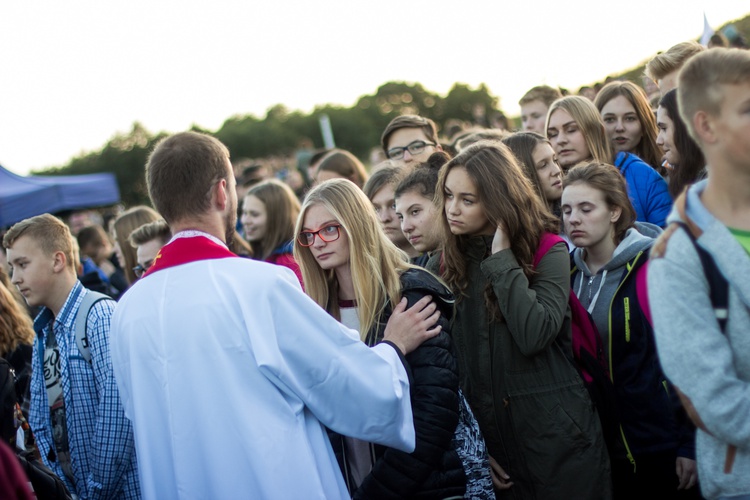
x: 354, y: 390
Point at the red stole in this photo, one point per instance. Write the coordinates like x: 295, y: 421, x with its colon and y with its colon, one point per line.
x: 187, y: 249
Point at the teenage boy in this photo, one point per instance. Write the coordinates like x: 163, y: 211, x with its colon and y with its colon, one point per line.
x: 664, y: 67
x: 534, y: 106
x: 708, y: 362
x: 75, y: 413
x: 410, y: 140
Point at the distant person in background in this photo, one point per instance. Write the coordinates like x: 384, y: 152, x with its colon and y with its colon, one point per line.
x: 339, y: 163
x: 685, y: 158
x: 314, y: 163
x: 380, y: 189
x: 539, y: 162
x: 664, y: 67
x: 488, y: 134
x: 718, y: 39
x: 123, y: 226
x: 78, y: 219
x: 534, y: 105
x: 418, y: 215
x: 577, y: 133
x: 269, y: 212
x: 410, y: 139
x: 630, y: 122
x: 147, y: 241
x: 94, y: 243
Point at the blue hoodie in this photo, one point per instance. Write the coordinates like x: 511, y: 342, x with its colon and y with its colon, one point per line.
x: 647, y: 189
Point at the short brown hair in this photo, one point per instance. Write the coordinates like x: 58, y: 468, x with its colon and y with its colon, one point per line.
x: 150, y: 231
x: 409, y: 121
x: 701, y: 79
x: 345, y: 164
x: 49, y: 232
x: 543, y: 93
x: 181, y: 171
x: 673, y: 59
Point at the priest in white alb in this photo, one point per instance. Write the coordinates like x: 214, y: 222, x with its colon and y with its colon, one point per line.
x: 228, y: 371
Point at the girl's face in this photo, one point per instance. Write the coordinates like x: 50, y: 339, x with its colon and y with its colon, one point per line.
x: 665, y: 139
x: 622, y: 124
x: 420, y: 221
x: 567, y: 139
x: 548, y: 170
x: 332, y: 254
x: 253, y: 218
x: 587, y: 218
x: 463, y: 209
x: 385, y: 207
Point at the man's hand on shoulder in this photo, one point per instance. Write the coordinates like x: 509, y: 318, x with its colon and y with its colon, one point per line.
x: 408, y: 328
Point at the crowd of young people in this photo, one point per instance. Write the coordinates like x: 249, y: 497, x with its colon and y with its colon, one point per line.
x: 398, y: 332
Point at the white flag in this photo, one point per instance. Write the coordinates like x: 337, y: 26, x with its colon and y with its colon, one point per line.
x: 707, y: 31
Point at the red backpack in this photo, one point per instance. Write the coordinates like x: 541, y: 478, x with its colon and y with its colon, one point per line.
x: 588, y: 353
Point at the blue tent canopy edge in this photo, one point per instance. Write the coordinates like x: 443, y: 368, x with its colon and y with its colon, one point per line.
x: 23, y: 197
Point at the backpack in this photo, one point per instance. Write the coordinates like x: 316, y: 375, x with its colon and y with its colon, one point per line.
x: 718, y: 293
x: 7, y: 402
x: 81, y: 323
x: 588, y: 354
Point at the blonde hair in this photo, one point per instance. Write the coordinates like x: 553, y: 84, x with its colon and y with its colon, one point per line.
x: 50, y: 233
x: 588, y: 119
x: 673, y: 59
x: 701, y: 79
x: 376, y: 263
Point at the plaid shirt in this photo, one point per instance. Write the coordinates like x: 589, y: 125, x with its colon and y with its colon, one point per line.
x: 100, y: 437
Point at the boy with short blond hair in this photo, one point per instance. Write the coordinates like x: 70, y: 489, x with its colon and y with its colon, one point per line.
x: 703, y: 340
x: 534, y: 106
x: 75, y: 413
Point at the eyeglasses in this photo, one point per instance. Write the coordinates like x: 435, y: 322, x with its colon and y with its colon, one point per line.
x: 140, y: 270
x: 327, y: 233
x: 413, y: 148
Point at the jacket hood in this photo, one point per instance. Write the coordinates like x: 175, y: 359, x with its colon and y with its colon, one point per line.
x: 637, y: 239
x: 426, y: 283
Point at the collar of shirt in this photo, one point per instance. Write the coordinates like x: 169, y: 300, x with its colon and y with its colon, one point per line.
x: 65, y: 318
x: 192, y: 233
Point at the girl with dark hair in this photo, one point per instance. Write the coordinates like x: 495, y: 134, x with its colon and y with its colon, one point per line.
x: 418, y: 215
x: 512, y: 330
x: 609, y: 278
x: 539, y: 162
x: 269, y: 212
x: 680, y: 150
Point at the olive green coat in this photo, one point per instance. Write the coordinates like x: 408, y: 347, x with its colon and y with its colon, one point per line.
x: 517, y: 374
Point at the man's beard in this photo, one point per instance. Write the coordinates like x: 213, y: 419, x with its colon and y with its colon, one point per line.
x: 230, y: 226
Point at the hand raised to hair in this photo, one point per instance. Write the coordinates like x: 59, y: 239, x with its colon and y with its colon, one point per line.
x: 501, y: 240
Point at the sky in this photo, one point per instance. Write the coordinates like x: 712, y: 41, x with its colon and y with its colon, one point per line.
x: 73, y: 74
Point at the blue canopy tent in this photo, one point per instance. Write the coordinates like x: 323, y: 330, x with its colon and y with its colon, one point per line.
x: 23, y: 197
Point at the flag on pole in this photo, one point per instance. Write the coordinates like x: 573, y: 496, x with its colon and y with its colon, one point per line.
x: 707, y: 31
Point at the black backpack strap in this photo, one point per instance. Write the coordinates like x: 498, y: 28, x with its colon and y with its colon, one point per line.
x: 718, y: 284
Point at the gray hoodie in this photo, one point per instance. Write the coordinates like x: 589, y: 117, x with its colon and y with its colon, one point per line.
x: 598, y: 289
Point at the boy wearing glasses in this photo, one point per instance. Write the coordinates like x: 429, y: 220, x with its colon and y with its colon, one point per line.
x: 75, y: 414
x: 410, y: 139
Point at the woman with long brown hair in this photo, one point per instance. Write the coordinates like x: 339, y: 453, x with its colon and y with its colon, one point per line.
x: 512, y: 330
